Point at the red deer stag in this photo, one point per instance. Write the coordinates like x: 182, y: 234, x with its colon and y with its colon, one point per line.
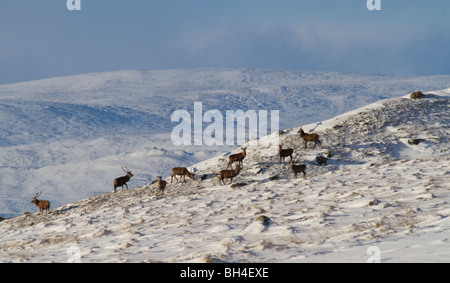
x: 238, y: 157
x: 183, y: 172
x: 161, y: 185
x: 42, y: 204
x: 300, y: 168
x: 229, y: 174
x: 283, y: 153
x: 119, y: 182
x: 309, y: 138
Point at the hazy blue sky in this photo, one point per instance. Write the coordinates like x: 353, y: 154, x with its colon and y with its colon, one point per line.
x: 40, y: 39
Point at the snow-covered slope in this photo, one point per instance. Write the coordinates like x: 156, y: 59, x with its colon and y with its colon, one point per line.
x: 378, y: 198
x: 69, y: 136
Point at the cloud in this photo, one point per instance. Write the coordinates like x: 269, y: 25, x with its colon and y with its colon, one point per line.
x: 305, y: 35
x: 318, y: 48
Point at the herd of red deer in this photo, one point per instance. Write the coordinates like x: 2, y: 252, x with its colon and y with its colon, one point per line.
x: 44, y: 205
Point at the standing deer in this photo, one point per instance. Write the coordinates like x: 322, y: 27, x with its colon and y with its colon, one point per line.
x: 238, y: 157
x: 183, y: 172
x: 42, y: 204
x: 161, y: 185
x: 300, y: 168
x: 283, y: 153
x: 309, y: 138
x: 229, y: 174
x: 119, y: 182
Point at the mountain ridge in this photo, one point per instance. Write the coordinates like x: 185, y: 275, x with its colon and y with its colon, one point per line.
x: 377, y: 190
x: 69, y: 136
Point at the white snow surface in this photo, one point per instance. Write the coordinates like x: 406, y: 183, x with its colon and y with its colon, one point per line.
x: 69, y: 136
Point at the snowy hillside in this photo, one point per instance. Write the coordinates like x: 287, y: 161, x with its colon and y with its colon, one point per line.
x: 69, y: 136
x: 379, y: 197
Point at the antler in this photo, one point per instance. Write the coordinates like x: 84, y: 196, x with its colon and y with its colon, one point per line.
x: 38, y: 194
x: 125, y: 169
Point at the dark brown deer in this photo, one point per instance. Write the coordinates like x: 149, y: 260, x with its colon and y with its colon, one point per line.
x: 42, y: 204
x: 183, y: 172
x: 238, y: 157
x: 300, y: 168
x: 161, y: 185
x: 119, y: 182
x: 224, y: 174
x: 283, y: 153
x: 309, y: 138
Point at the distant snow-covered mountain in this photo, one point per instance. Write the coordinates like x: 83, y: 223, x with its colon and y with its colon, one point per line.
x: 69, y: 136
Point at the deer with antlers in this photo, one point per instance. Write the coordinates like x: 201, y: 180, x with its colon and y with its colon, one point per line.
x: 119, y: 182
x: 309, y: 138
x: 238, y: 157
x: 183, y: 172
x: 42, y: 204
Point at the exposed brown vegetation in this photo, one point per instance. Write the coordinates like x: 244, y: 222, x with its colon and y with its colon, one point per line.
x: 321, y: 160
x: 416, y: 95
